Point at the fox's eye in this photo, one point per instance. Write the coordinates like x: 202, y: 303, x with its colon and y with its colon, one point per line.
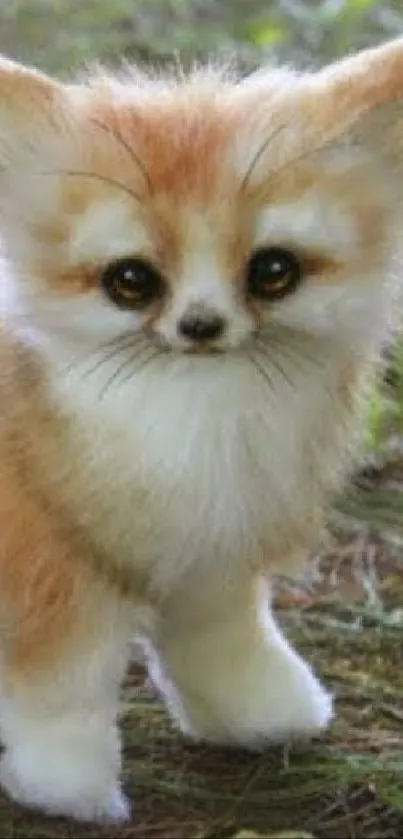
x: 273, y: 273
x: 132, y: 283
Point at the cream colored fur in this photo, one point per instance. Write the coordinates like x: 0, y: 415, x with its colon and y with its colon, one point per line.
x: 194, y: 477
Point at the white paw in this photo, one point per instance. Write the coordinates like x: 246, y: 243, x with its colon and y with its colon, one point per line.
x: 114, y: 808
x: 117, y: 809
x: 86, y: 806
x: 66, y: 766
x: 301, y: 708
x: 277, y: 703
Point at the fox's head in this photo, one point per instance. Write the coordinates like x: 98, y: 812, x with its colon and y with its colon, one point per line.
x: 211, y: 214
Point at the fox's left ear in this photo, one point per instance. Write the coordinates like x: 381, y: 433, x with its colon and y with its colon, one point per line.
x: 362, y: 96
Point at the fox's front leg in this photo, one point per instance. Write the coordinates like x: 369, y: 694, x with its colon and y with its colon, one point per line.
x: 234, y: 678
x: 64, y: 646
x: 58, y: 723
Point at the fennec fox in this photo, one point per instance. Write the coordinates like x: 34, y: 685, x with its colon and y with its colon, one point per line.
x: 198, y: 276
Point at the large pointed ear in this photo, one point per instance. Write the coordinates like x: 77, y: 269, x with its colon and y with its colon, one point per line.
x: 31, y: 109
x: 361, y: 97
x: 365, y: 80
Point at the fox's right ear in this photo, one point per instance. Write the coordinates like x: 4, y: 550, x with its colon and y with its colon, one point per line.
x: 361, y: 96
x: 32, y: 108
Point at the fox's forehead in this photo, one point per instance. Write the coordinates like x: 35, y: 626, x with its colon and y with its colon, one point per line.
x: 190, y: 137
x: 172, y: 146
x: 187, y: 139
x: 176, y: 174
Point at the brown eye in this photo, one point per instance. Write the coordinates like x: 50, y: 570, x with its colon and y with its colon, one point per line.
x: 132, y: 283
x: 273, y: 273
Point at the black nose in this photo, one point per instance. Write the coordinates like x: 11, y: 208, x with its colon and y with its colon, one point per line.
x: 201, y: 327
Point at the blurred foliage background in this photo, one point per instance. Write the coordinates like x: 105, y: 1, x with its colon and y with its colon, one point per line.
x: 61, y: 34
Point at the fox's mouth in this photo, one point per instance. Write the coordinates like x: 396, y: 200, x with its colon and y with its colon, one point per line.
x: 199, y: 348
x: 203, y: 350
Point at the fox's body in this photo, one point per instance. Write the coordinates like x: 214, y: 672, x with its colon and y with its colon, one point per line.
x: 197, y: 281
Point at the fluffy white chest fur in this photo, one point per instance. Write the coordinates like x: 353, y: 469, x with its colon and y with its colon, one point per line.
x: 200, y: 460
